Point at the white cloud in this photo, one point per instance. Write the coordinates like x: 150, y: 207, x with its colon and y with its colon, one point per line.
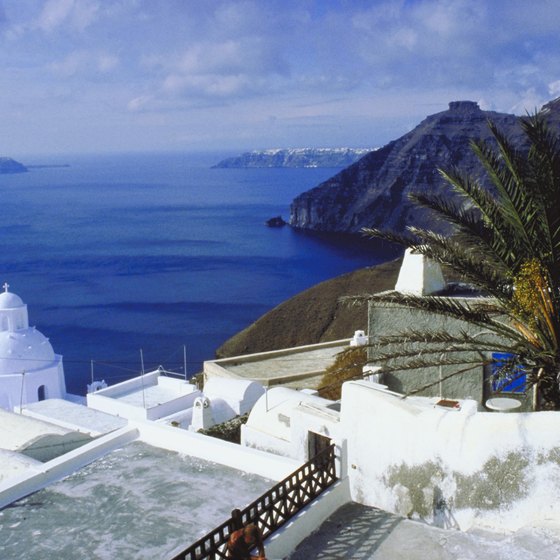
x: 139, y: 103
x: 208, y: 85
x: 299, y: 60
x: 250, y: 55
x: 554, y: 88
x: 107, y: 62
x: 530, y: 101
x: 221, y: 69
x: 69, y: 65
x: 84, y: 62
x: 405, y: 37
x: 78, y: 14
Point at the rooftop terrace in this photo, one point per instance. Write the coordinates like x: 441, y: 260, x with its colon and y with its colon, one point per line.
x: 301, y: 367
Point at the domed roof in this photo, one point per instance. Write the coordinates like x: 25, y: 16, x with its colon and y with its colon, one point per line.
x: 9, y: 300
x: 24, y: 350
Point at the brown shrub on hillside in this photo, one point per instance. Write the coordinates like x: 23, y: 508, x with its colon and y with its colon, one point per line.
x: 348, y: 365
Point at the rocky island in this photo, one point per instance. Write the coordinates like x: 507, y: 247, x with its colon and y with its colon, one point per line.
x: 296, y: 157
x: 9, y: 165
x: 373, y: 192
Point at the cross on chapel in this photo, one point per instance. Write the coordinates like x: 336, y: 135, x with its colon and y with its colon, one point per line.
x: 6, y: 286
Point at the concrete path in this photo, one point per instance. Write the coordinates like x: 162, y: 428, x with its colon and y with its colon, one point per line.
x: 353, y: 531
x: 363, y: 533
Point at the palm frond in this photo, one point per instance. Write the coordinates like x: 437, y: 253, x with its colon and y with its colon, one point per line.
x: 508, y: 171
x: 420, y: 362
x: 496, y: 230
x: 469, y: 263
x: 484, y: 313
x: 390, y: 236
x: 544, y: 158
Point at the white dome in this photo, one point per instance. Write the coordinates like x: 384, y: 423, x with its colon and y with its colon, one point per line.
x: 9, y: 300
x: 25, y: 349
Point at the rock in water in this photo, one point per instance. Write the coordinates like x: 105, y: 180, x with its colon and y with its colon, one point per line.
x: 277, y: 221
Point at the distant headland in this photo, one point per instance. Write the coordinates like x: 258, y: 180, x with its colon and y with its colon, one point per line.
x: 296, y: 157
x: 9, y: 165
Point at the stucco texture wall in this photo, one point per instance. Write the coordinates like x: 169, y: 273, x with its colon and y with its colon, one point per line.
x: 452, y: 468
x: 473, y: 383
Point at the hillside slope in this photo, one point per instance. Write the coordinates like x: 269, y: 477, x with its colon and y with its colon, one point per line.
x: 314, y: 315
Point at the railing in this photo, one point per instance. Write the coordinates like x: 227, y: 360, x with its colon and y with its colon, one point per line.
x: 273, y: 508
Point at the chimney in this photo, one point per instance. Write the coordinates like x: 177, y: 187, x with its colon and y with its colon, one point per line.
x: 419, y: 275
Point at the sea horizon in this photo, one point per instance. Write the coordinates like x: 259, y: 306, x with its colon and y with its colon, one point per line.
x: 155, y: 251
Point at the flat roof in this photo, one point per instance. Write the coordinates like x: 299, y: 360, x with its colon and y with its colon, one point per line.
x: 18, y: 430
x: 298, y: 367
x: 138, y: 501
x: 288, y: 364
x: 74, y: 416
x: 149, y: 395
x: 13, y: 464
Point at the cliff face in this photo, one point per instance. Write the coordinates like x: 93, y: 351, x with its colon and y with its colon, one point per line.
x: 295, y: 157
x: 373, y: 192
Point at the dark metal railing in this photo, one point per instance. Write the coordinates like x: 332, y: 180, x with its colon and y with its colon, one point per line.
x: 274, y: 508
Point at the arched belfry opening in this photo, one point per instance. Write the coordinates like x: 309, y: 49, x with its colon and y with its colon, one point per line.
x: 41, y: 393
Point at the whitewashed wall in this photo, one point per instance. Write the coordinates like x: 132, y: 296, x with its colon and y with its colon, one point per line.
x: 216, y: 450
x: 451, y: 468
x: 17, y: 388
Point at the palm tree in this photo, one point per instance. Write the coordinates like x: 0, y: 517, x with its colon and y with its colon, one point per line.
x: 506, y: 242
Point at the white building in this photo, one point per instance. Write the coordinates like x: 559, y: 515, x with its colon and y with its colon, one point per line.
x: 295, y: 424
x: 30, y: 371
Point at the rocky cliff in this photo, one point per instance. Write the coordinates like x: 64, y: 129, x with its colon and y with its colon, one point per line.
x: 373, y: 192
x: 9, y: 165
x: 296, y: 157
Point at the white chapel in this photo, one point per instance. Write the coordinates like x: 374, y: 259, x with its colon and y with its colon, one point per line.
x: 30, y: 371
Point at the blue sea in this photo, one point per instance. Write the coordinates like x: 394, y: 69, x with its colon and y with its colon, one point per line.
x: 121, y: 254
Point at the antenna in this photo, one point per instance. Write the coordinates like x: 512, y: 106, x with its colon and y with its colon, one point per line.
x: 21, y: 394
x: 142, y: 378
x: 185, y: 361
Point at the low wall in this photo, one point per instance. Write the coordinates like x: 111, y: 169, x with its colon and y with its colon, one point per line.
x: 107, y: 400
x: 284, y: 541
x: 172, y: 406
x: 136, y: 383
x: 453, y: 468
x: 217, y: 451
x: 15, y: 488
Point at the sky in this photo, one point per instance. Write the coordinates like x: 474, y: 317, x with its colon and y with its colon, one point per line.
x: 97, y: 76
